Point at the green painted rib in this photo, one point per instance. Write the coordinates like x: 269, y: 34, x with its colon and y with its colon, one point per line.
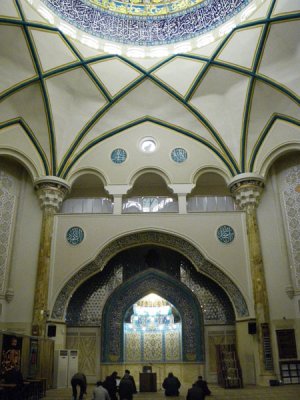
x: 33, y: 139
x: 266, y: 130
x: 205, y: 122
x: 141, y: 121
x: 145, y: 74
x: 18, y: 87
x: 44, y: 92
x: 250, y: 93
x: 93, y: 120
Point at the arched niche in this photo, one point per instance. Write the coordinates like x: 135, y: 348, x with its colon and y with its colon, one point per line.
x: 152, y: 238
x: 150, y: 183
x: 152, y: 281
x: 88, y: 194
x: 210, y: 183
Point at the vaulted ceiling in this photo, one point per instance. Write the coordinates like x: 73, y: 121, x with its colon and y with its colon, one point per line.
x: 236, y: 99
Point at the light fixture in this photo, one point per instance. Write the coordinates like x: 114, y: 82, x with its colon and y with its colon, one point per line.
x: 148, y: 145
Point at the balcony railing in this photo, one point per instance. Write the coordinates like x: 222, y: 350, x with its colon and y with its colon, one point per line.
x: 99, y: 205
x: 150, y: 204
x: 211, y: 204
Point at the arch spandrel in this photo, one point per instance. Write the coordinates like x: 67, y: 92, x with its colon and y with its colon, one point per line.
x: 153, y: 238
x: 152, y: 281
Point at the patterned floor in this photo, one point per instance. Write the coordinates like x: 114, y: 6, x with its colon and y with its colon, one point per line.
x: 288, y: 392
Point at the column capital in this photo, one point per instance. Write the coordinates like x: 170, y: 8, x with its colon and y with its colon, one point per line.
x: 247, y: 189
x: 51, y: 192
x: 181, y: 188
x: 117, y: 190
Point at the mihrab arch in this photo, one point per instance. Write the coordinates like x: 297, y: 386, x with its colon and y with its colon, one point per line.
x: 152, y: 281
x: 152, y: 238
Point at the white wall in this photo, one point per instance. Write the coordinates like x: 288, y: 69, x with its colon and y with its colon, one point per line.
x: 17, y: 314
x: 199, y: 229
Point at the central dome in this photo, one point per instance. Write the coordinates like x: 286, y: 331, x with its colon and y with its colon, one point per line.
x: 144, y: 7
x: 146, y: 22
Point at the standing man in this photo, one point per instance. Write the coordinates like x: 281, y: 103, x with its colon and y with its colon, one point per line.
x: 126, y: 388
x: 78, y: 379
x: 132, y: 380
x: 110, y: 384
x: 100, y: 393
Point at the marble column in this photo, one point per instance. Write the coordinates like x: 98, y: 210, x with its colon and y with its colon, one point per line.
x: 247, y: 190
x: 51, y: 192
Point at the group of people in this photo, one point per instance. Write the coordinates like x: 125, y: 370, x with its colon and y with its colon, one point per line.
x: 126, y: 388
x: 108, y: 389
x: 197, y: 392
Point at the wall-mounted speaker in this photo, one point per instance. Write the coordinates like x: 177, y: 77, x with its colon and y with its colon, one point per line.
x: 51, y: 330
x: 252, y: 328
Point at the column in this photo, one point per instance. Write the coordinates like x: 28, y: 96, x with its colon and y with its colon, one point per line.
x: 182, y: 190
x: 247, y: 190
x: 118, y: 191
x: 51, y: 192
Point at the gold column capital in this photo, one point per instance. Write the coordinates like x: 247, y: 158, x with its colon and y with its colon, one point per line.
x: 247, y: 190
x: 51, y: 192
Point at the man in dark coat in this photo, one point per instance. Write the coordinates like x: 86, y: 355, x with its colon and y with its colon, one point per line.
x: 203, y: 385
x: 195, y: 393
x: 110, y: 384
x: 126, y: 388
x: 132, y: 380
x: 171, y: 384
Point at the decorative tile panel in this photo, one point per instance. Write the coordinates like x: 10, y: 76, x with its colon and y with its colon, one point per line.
x: 85, y: 308
x: 291, y: 199
x: 133, y: 346
x: 214, y: 302
x: 152, y: 281
x: 7, y: 205
x: 146, y: 30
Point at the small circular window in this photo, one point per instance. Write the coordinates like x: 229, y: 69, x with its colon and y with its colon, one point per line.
x: 148, y: 145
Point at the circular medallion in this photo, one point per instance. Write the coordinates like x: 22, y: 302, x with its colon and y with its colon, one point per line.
x: 179, y: 155
x: 225, y: 234
x: 75, y: 235
x: 118, y: 156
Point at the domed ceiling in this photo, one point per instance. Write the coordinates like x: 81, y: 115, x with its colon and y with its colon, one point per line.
x: 232, y: 103
x: 146, y: 22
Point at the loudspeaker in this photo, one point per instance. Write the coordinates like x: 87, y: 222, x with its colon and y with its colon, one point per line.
x: 252, y: 328
x: 51, y: 330
x: 274, y: 382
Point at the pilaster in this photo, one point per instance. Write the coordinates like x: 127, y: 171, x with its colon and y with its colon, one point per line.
x: 51, y: 192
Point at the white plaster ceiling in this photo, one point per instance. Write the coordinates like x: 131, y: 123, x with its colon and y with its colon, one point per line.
x: 219, y: 102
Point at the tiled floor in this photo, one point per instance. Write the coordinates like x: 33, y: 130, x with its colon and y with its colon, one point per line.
x: 288, y: 392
